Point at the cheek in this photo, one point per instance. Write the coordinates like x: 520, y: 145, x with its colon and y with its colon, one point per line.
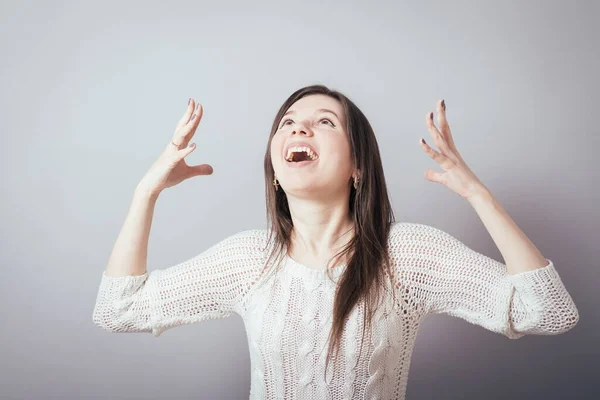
x: 276, y: 148
x: 339, y: 152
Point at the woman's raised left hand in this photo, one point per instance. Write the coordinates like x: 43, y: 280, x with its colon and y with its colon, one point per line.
x: 457, y: 175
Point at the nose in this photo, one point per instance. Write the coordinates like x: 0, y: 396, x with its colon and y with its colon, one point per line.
x: 301, y: 129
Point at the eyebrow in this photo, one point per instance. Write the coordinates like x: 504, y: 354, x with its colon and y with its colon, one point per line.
x: 317, y: 111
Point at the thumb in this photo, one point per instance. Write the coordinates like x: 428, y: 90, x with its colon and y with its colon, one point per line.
x: 433, y: 176
x: 202, y: 169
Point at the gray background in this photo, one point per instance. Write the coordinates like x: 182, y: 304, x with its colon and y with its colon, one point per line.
x: 90, y: 94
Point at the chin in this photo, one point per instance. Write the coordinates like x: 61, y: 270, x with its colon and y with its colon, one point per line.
x: 300, y: 187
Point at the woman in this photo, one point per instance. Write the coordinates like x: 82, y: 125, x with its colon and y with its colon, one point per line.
x: 333, y: 271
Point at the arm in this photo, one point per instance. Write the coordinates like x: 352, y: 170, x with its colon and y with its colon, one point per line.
x: 211, y: 285
x: 443, y: 275
x: 524, y: 297
x: 130, y: 252
x: 518, y: 251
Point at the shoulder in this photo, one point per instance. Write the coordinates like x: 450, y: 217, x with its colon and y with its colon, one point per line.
x: 240, y: 244
x: 413, y: 229
x: 250, y: 239
x: 413, y: 235
x: 411, y: 247
x: 241, y: 252
x: 250, y: 235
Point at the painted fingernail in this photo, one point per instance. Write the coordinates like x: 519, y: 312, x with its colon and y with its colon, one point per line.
x: 193, y: 116
x: 444, y: 105
x: 189, y: 101
x: 422, y: 140
x: 197, y: 106
x: 431, y: 116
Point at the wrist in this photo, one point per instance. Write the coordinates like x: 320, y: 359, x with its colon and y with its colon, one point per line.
x: 479, y: 194
x: 145, y: 192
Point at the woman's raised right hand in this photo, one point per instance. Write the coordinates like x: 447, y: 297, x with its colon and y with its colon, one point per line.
x: 171, y: 168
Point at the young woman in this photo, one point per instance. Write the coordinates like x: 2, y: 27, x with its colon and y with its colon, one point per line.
x: 333, y: 277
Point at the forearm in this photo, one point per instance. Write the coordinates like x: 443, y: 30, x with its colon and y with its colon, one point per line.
x: 519, y: 253
x: 130, y: 252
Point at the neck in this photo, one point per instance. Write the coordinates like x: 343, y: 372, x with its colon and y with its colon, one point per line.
x: 319, y: 230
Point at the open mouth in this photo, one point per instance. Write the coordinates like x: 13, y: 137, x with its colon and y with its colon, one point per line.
x: 299, y: 154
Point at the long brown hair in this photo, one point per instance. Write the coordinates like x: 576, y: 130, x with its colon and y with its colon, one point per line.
x: 369, y: 206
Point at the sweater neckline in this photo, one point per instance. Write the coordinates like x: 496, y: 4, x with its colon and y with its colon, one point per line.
x: 300, y: 270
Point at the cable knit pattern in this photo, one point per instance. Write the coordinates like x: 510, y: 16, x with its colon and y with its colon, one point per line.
x: 288, y: 314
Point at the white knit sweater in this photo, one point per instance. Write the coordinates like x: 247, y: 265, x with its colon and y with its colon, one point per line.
x: 288, y: 316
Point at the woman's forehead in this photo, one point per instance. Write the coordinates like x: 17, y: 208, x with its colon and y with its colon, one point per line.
x: 315, y: 104
x: 316, y: 101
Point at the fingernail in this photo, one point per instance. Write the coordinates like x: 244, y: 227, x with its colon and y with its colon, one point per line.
x: 193, y: 116
x: 197, y: 106
x: 431, y: 116
x: 189, y: 101
x: 444, y: 105
x: 422, y: 140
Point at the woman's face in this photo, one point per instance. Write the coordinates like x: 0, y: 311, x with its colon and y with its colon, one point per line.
x: 316, y: 122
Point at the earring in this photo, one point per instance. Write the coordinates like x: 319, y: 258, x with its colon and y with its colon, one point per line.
x: 275, y: 183
x: 355, y: 182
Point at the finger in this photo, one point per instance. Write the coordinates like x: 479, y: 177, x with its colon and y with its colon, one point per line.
x: 444, y: 125
x: 437, y: 137
x: 186, y: 115
x: 186, y: 150
x: 445, y: 162
x: 185, y: 134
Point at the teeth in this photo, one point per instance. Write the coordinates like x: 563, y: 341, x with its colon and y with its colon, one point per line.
x: 308, y: 151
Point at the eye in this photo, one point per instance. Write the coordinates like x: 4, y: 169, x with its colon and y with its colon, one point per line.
x: 285, y: 122
x: 327, y: 119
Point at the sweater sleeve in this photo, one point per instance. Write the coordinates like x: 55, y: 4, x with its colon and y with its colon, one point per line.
x: 210, y: 285
x: 443, y: 275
